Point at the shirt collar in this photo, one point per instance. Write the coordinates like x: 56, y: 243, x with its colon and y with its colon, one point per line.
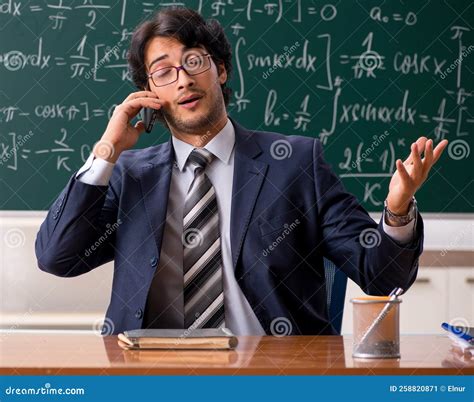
x: 220, y: 146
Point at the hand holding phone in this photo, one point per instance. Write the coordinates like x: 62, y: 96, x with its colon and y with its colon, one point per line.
x: 120, y: 134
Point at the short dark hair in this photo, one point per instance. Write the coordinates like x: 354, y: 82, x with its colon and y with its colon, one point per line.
x: 192, y: 30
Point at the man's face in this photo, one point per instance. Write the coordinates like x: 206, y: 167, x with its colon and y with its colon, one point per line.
x: 196, y: 118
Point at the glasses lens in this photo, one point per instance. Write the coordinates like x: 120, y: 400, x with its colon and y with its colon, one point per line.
x: 197, y: 65
x: 193, y: 66
x: 164, y: 76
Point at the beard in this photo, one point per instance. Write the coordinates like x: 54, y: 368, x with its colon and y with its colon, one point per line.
x: 196, y: 125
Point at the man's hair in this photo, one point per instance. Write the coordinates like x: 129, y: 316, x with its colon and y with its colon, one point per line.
x: 188, y: 27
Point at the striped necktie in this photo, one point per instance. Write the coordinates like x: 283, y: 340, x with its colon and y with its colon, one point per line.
x: 202, y: 260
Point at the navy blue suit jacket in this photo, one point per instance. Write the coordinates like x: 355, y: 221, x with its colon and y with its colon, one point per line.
x: 287, y: 214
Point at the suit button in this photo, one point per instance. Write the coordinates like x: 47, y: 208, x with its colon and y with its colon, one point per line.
x: 153, y: 261
x: 55, y: 216
x: 139, y: 313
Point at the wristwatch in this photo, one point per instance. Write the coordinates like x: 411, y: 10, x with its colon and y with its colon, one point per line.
x: 402, y: 219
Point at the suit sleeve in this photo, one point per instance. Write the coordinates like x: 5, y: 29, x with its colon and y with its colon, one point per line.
x: 78, y: 233
x: 355, y: 243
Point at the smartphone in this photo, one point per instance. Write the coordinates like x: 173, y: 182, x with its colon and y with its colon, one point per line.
x: 148, y: 116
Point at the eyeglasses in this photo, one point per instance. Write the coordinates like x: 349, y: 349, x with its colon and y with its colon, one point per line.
x: 193, y: 66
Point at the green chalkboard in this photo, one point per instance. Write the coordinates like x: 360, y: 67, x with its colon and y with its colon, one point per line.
x: 366, y: 77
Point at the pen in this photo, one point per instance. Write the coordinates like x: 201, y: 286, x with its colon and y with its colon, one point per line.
x: 460, y: 332
x: 392, y: 296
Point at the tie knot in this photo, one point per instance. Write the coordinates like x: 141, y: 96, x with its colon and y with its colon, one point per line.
x: 200, y: 157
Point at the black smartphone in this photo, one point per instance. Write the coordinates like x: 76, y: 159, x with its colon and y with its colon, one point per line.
x: 148, y: 118
x: 148, y: 115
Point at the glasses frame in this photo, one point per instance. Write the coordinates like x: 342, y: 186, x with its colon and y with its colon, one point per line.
x: 178, y: 68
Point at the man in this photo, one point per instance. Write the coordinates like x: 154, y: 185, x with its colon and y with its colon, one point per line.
x: 214, y: 227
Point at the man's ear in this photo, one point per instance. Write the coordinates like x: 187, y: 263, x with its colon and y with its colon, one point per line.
x: 222, y: 72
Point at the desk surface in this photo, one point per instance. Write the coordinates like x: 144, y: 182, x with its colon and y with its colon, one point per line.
x: 72, y: 353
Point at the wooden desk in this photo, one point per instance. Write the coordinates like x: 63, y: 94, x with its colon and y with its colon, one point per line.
x: 75, y: 354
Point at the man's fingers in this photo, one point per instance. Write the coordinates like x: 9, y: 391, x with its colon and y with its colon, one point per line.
x: 144, y: 100
x: 140, y: 94
x: 439, y: 150
x: 420, y: 145
x: 428, y: 159
x: 415, y: 157
x: 402, y: 170
x: 132, y: 107
x: 139, y: 126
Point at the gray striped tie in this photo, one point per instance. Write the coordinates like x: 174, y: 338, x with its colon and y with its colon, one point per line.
x: 202, y: 262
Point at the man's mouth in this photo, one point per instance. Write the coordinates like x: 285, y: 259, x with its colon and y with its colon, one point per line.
x: 190, y: 102
x: 190, y: 99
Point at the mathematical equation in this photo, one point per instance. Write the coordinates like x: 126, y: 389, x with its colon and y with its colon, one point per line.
x: 296, y: 70
x: 61, y: 151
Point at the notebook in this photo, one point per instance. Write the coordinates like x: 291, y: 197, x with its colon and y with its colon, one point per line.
x: 202, y: 338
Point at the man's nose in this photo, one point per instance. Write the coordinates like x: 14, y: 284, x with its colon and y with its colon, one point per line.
x: 185, y: 80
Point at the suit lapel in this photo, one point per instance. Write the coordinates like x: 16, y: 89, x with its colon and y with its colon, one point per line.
x: 155, y: 179
x: 248, y: 178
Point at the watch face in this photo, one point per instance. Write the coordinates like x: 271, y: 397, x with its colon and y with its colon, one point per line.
x: 412, y: 211
x: 403, y: 219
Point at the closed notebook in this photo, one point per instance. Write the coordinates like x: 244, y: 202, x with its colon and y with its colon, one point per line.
x: 203, y: 338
